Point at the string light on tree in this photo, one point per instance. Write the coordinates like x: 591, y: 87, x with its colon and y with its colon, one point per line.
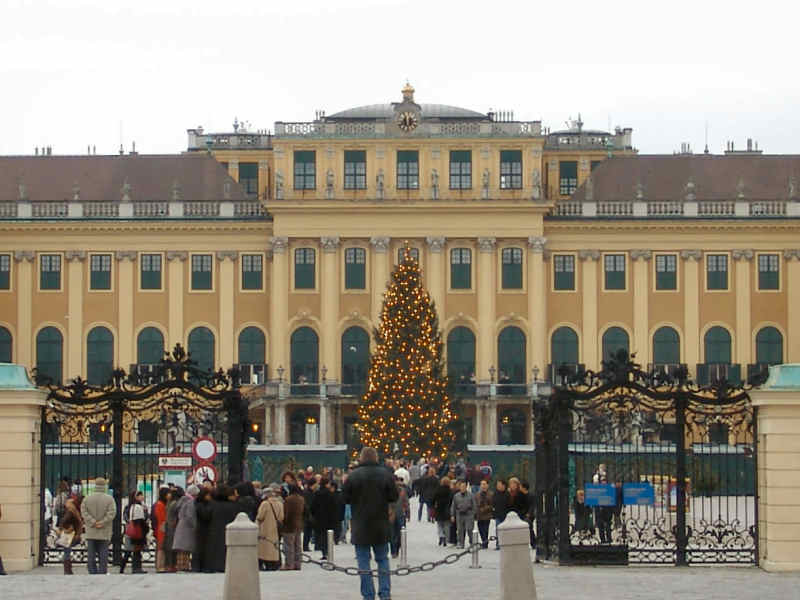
x: 406, y: 409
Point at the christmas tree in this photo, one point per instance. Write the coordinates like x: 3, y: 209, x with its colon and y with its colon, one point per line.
x: 406, y: 409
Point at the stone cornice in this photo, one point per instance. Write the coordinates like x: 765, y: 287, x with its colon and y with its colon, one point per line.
x: 80, y: 225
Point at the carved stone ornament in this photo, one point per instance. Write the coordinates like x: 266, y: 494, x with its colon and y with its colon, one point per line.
x: 26, y: 255
x: 791, y: 254
x: 434, y: 184
x: 125, y: 191
x: 691, y: 254
x: 279, y: 185
x: 22, y: 191
x: 329, y: 180
x: 792, y: 188
x: 379, y: 188
x: 487, y: 244
x: 329, y: 244
x: 588, y: 189
x: 589, y: 255
x: 279, y: 244
x: 76, y: 192
x: 641, y: 254
x: 180, y: 255
x: 639, y: 192
x: 436, y: 244
x: 537, y: 185
x: 690, y: 190
x: 126, y: 255
x: 743, y: 254
x: 226, y: 190
x: 485, y: 184
x: 537, y: 243
x: 177, y: 191
x: 231, y: 254
x: 380, y: 244
x: 79, y: 255
x: 740, y: 187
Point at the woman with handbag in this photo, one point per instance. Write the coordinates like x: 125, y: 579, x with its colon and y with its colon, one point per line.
x: 135, y: 532
x: 270, y: 522
x: 70, y: 530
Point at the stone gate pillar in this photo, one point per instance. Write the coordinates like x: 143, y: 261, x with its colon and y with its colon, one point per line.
x: 778, y: 405
x: 20, y: 426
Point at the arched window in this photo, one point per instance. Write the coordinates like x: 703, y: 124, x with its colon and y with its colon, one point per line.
x: 564, y: 347
x: 614, y: 340
x: 5, y: 345
x: 717, y: 343
x: 461, y: 356
x: 769, y: 346
x: 99, y: 356
x: 355, y: 360
x: 666, y: 346
x: 149, y: 346
x: 511, y: 427
x: 511, y: 358
x: 252, y: 347
x: 201, y: 347
x: 49, y: 347
x: 304, y: 355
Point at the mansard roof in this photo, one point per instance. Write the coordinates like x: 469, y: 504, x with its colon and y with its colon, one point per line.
x: 654, y: 178
x: 386, y: 111
x: 190, y: 177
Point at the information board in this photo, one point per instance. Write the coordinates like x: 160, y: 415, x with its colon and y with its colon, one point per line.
x: 600, y: 494
x: 638, y: 494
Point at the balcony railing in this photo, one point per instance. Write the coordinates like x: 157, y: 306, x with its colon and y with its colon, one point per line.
x: 112, y: 210
x: 354, y: 389
x: 512, y: 389
x: 675, y: 209
x: 253, y: 374
x: 558, y: 374
x: 710, y: 373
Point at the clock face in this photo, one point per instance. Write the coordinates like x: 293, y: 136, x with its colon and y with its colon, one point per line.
x: 407, y: 121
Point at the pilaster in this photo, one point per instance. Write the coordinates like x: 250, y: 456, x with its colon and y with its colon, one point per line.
x: 589, y: 340
x: 329, y: 307
x: 279, y: 305
x: 486, y: 306
x: 435, y: 275
x: 227, y: 286
x: 380, y: 276
x: 537, y: 302
x: 691, y: 306
x: 25, y: 267
x: 175, y: 276
x: 125, y: 287
x: 641, y: 320
x: 743, y: 260
x: 792, y: 282
x: 75, y: 266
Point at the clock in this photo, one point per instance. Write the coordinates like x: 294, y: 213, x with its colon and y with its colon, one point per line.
x: 407, y: 121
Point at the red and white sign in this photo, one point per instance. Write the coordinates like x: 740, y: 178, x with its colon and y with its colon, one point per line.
x: 179, y: 462
x: 204, y: 472
x: 204, y: 449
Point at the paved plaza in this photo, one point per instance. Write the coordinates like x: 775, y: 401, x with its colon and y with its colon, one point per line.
x: 456, y: 581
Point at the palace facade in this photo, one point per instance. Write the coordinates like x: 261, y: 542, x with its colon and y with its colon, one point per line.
x: 272, y: 251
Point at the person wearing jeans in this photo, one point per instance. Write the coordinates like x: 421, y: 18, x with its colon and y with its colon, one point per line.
x: 98, y: 511
x: 370, y: 489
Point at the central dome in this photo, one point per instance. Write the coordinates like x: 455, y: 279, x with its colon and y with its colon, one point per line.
x: 386, y: 111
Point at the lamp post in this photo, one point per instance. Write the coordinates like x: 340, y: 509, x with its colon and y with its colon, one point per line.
x: 492, y: 385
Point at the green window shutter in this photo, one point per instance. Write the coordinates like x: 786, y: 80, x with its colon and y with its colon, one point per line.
x: 510, y: 169
x: 460, y: 268
x: 768, y: 269
x: 717, y: 272
x: 201, y: 347
x: 512, y: 268
x: 666, y: 272
x: 460, y: 169
x: 150, y: 269
x: 355, y: 277
x: 5, y: 271
x: 614, y: 340
x: 305, y: 170
x: 355, y: 357
x: 252, y: 347
x: 615, y: 271
x: 202, y: 265
x: 769, y: 346
x: 50, y: 273
x: 304, y: 355
x: 252, y: 272
x: 407, y: 170
x: 100, y: 272
x: 149, y: 346
x: 511, y: 356
x: 99, y: 356
x: 5, y: 345
x: 564, y: 272
x: 461, y: 355
x: 248, y: 178
x: 49, y: 348
x: 355, y: 170
x: 666, y: 347
x: 567, y: 177
x: 564, y: 347
x: 717, y: 344
x: 304, y: 261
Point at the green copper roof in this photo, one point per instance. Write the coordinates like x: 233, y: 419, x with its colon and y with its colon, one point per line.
x: 783, y: 377
x: 14, y: 377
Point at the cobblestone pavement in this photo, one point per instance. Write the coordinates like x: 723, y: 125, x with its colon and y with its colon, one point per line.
x: 456, y: 581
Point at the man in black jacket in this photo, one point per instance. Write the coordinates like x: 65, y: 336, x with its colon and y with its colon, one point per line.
x: 324, y: 514
x: 427, y: 485
x: 501, y: 502
x: 369, y: 490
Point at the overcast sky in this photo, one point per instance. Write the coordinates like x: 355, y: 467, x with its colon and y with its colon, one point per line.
x: 79, y: 72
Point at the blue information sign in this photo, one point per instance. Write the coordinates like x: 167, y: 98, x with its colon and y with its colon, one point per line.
x: 600, y: 494
x: 638, y: 494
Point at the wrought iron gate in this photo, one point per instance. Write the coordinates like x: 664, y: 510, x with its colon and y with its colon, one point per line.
x: 693, y: 447
x: 118, y: 431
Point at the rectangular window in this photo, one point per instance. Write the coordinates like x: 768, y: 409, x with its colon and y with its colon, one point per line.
x: 5, y: 271
x: 201, y: 271
x: 150, y: 272
x: 248, y: 178
x: 100, y: 272
x: 355, y: 170
x: 355, y: 269
x: 615, y: 271
x: 305, y: 170
x: 594, y: 163
x: 304, y: 259
x: 564, y: 272
x: 666, y: 272
x: 510, y: 169
x: 50, y: 275
x: 407, y: 170
x: 414, y: 252
x: 460, y: 268
x: 460, y: 169
x: 768, y: 271
x: 252, y: 272
x: 567, y: 177
x: 512, y: 268
x: 717, y: 271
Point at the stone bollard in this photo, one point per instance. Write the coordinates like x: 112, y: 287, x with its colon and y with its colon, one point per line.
x: 516, y: 569
x: 241, y: 562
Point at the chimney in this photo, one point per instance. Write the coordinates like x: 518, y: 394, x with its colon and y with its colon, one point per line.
x: 749, y: 144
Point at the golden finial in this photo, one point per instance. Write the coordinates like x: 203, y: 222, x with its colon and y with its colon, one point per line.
x: 408, y: 91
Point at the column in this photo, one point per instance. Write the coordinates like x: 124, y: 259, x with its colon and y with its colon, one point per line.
x: 280, y: 417
x: 225, y: 292
x: 380, y: 275
x: 589, y: 339
x: 75, y: 266
x: 436, y: 274
x: 329, y: 306
x: 478, y: 427
x: 491, y: 437
x: 537, y: 302
x: 263, y: 179
x: 269, y: 436
x: 778, y: 454
x: 641, y: 320
x: 792, y: 283
x: 691, y: 307
x: 24, y: 284
x: 233, y: 168
x: 743, y: 259
x: 486, y: 307
x: 175, y: 260
x: 323, y: 422
x: 279, y: 308
x: 125, y: 289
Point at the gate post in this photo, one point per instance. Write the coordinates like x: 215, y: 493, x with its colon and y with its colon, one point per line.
x: 680, y: 485
x: 562, y: 408
x: 237, y: 437
x: 116, y: 477
x: 542, y: 482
